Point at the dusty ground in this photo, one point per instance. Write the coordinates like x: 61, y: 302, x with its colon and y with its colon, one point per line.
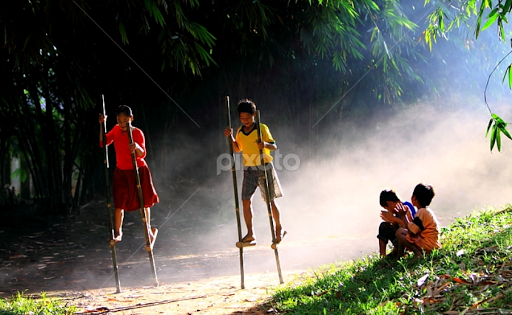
x: 211, y: 296
x: 71, y: 260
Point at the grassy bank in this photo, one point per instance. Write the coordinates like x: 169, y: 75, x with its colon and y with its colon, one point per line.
x: 22, y: 305
x: 471, y: 274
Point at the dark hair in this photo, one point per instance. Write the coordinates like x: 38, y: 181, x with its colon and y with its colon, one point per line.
x: 123, y: 109
x: 424, y: 194
x: 246, y: 106
x: 388, y: 195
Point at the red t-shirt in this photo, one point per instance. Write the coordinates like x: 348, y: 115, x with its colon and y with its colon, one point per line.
x: 121, y: 145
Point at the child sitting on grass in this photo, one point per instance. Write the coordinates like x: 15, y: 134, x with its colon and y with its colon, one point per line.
x: 389, y: 200
x: 422, y: 234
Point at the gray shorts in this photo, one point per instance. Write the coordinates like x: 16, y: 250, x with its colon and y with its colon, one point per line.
x: 253, y: 177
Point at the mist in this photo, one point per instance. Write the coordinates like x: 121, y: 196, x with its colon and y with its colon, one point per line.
x: 330, y: 206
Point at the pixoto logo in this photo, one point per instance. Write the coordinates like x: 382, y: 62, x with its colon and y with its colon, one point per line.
x: 289, y: 161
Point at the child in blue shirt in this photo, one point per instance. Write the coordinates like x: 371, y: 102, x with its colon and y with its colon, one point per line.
x: 392, y: 222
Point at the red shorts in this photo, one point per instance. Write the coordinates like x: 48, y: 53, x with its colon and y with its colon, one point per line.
x: 126, y: 196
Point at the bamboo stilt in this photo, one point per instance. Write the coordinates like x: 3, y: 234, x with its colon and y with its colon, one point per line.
x: 112, y: 243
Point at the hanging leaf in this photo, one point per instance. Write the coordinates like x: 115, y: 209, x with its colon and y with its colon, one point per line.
x: 493, y: 137
x: 122, y: 31
x: 491, y: 18
x: 498, y: 126
x: 507, y: 73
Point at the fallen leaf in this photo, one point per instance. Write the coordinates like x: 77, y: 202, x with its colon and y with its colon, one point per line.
x: 17, y: 256
x: 421, y: 281
x: 460, y: 280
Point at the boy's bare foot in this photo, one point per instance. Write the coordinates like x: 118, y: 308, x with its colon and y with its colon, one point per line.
x: 118, y: 237
x: 152, y: 236
x: 248, y: 239
x: 280, y: 234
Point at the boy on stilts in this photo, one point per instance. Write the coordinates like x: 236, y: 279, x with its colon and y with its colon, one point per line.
x: 124, y: 183
x: 245, y: 141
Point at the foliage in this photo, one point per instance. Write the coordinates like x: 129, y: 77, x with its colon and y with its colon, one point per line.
x: 470, y: 274
x: 316, y: 63
x: 54, y: 66
x: 498, y: 127
x: 21, y: 305
x: 462, y: 13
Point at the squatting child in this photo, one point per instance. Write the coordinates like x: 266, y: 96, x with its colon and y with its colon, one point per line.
x: 245, y: 141
x: 389, y: 200
x: 422, y: 234
x: 125, y: 191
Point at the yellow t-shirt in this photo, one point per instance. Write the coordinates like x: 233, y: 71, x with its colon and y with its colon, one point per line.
x: 248, y: 144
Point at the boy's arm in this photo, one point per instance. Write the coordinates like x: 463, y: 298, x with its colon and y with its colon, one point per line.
x: 267, y: 141
x: 139, y: 143
x: 422, y: 219
x: 267, y: 145
x: 404, y: 213
x: 108, y: 135
x: 228, y: 132
x: 236, y: 148
x: 390, y: 218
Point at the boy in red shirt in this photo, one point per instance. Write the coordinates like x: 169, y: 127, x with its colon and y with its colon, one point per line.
x: 125, y: 192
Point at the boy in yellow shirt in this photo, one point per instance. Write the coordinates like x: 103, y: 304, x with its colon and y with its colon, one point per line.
x: 246, y: 141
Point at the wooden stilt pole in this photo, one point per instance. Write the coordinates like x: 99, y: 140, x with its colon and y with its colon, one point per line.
x: 145, y: 224
x: 235, y: 191
x: 112, y: 243
x: 267, y: 194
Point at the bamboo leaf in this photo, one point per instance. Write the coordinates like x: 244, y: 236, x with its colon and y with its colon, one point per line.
x: 500, y: 122
x: 479, y: 20
x: 498, y: 138
x: 158, y: 15
x: 502, y: 126
x: 122, y: 31
x: 492, y: 17
x: 489, y: 127
x: 508, y: 6
x: 493, y: 136
x: 502, y: 29
x: 509, y: 76
x: 506, y: 133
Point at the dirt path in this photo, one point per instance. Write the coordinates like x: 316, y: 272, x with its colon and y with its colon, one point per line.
x: 212, y: 296
x: 72, y: 261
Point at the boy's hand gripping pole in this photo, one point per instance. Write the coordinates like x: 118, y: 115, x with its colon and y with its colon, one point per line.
x: 109, y: 206
x: 145, y: 224
x: 267, y: 195
x: 235, y: 191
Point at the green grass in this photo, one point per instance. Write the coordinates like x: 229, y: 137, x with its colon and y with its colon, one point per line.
x: 470, y: 274
x: 21, y: 305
